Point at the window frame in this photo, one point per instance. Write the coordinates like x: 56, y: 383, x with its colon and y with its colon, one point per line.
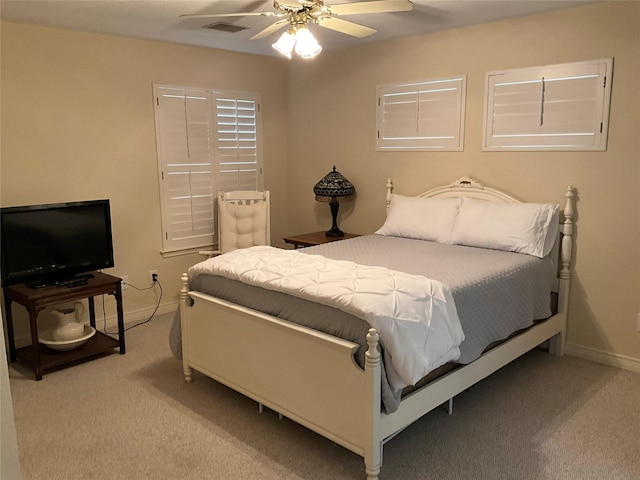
x: 208, y: 131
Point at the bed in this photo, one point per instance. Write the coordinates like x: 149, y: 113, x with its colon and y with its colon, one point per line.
x: 348, y: 390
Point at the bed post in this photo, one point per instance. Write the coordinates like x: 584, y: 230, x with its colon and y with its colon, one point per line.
x: 388, y: 198
x: 557, y: 343
x: 184, y: 325
x: 373, y: 442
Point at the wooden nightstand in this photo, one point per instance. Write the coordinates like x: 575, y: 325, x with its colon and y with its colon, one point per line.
x: 315, y: 238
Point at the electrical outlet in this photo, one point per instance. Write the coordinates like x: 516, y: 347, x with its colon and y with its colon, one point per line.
x: 125, y: 282
x: 153, y: 277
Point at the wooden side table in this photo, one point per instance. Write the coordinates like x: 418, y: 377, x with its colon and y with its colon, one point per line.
x: 315, y: 238
x: 35, y: 300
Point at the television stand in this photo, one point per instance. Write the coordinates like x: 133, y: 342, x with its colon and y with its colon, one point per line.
x: 35, y: 300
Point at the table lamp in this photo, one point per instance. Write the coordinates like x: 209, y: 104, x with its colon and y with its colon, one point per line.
x: 334, y: 189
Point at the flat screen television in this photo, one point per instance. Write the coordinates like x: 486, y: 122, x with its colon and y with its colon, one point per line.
x: 55, y: 244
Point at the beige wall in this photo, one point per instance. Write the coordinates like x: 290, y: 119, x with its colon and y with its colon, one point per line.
x: 332, y: 121
x: 77, y: 122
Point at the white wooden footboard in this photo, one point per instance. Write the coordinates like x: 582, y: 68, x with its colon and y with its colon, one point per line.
x: 305, y: 375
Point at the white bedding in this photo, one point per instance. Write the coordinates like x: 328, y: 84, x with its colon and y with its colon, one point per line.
x: 415, y: 317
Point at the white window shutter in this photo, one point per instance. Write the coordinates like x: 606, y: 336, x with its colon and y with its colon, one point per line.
x: 184, y: 130
x: 420, y: 116
x: 236, y: 141
x: 207, y: 141
x: 557, y: 107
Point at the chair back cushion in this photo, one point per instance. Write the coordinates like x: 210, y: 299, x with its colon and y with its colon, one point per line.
x: 243, y: 222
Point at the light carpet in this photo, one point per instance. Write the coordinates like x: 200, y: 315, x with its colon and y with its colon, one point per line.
x: 132, y: 416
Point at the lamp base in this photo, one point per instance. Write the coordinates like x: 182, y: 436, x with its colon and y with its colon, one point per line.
x: 335, y: 231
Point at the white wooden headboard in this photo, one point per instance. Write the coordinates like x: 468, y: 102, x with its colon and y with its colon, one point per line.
x: 463, y: 187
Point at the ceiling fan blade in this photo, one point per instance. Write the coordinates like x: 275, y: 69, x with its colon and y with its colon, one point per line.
x: 247, y: 14
x: 350, y: 28
x: 270, y: 29
x: 378, y: 6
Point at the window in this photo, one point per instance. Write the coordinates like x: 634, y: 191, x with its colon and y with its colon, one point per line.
x: 556, y: 107
x: 207, y: 141
x: 421, y: 116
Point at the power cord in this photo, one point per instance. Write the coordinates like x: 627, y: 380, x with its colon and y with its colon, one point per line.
x: 152, y: 287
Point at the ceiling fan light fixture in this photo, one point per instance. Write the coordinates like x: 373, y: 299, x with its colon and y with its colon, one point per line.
x: 285, y: 44
x: 306, y: 44
x: 299, y: 13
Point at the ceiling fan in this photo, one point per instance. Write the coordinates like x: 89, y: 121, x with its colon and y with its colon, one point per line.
x: 298, y: 14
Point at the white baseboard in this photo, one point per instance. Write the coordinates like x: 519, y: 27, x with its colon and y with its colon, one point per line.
x: 130, y: 318
x: 606, y: 358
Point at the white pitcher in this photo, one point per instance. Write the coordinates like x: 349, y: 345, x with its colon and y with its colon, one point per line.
x: 70, y: 326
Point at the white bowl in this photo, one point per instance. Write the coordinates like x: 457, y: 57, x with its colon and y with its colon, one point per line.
x: 46, y: 338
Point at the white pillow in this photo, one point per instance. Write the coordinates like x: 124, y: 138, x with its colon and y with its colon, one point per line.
x: 529, y: 228
x: 422, y: 218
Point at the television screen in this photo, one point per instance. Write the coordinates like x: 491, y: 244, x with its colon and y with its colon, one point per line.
x: 54, y: 243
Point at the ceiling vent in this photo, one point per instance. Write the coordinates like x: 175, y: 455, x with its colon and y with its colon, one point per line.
x: 225, y: 27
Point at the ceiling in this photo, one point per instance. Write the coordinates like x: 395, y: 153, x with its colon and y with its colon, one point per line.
x: 159, y: 19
